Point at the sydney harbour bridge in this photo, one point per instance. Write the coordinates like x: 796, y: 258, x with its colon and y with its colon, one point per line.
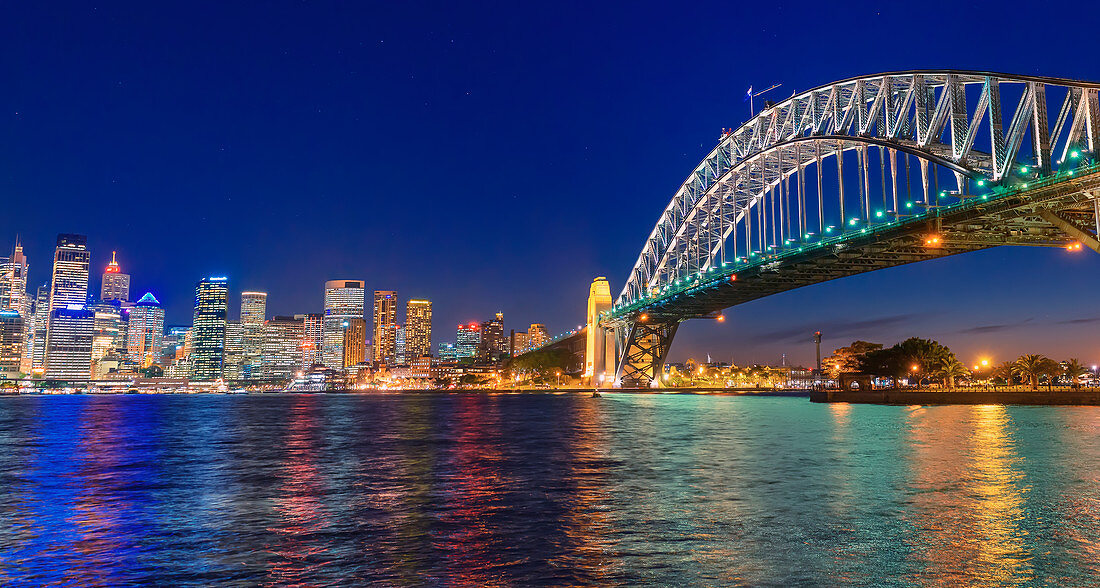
x: 861, y: 174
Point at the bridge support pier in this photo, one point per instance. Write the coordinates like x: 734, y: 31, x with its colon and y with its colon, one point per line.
x: 643, y: 347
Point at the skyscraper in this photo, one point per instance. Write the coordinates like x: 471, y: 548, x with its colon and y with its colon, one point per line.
x: 116, y: 285
x: 253, y: 314
x: 233, y: 364
x: 418, y: 329
x: 312, y: 329
x: 385, y: 325
x: 208, y: 329
x: 145, y: 331
x: 399, y: 355
x: 11, y: 344
x: 468, y: 341
x: 41, y: 323
x: 13, y: 282
x: 344, y: 300
x: 108, y: 336
x: 493, y: 344
x: 283, y: 349
x: 355, y: 342
x: 70, y: 329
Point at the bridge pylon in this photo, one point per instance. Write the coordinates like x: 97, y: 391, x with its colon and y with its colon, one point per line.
x: 643, y: 346
x: 599, y: 351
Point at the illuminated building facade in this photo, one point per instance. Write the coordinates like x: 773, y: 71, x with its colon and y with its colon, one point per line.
x: 108, y: 335
x: 69, y: 285
x: 145, y: 331
x: 208, y: 329
x: 11, y: 344
x: 234, y: 351
x: 115, y: 285
x: 355, y: 342
x: 283, y: 349
x: 447, y: 352
x: 14, y: 298
x: 69, y: 344
x: 385, y: 326
x: 41, y: 322
x: 344, y: 300
x: 468, y: 341
x: 253, y: 314
x: 312, y: 327
x: 418, y: 329
x: 520, y: 342
x: 493, y: 344
x: 537, y: 335
x: 399, y: 351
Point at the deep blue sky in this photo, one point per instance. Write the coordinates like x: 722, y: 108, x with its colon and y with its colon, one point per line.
x: 487, y: 156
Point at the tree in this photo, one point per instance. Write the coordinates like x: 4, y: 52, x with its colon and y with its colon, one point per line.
x: 951, y: 368
x: 1074, y: 370
x: 847, y: 359
x: 1032, y: 367
x: 1006, y: 371
x: 897, y: 361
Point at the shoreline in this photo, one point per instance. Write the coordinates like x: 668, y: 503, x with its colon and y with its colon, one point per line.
x: 898, y: 397
x: 793, y: 393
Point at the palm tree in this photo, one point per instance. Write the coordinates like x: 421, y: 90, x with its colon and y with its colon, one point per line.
x: 1074, y: 370
x: 951, y: 368
x: 1006, y: 370
x: 1032, y: 366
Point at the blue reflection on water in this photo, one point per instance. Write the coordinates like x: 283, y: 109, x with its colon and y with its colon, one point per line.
x: 479, y: 490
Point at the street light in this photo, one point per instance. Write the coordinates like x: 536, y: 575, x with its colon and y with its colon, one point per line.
x: 914, y: 368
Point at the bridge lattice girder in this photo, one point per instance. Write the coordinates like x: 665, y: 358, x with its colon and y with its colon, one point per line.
x: 732, y: 197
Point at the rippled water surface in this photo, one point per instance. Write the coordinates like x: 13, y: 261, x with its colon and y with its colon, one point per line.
x: 473, y: 490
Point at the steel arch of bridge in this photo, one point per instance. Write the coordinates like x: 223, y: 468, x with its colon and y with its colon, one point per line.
x: 731, y: 197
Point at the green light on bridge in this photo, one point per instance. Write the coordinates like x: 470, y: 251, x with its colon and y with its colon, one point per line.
x: 1075, y: 154
x: 878, y: 213
x: 909, y: 205
x: 853, y: 222
x: 981, y: 182
x: 1023, y: 169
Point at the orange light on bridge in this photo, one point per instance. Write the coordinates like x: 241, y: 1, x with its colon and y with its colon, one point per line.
x: 1075, y: 246
x: 933, y: 241
x: 720, y: 318
x: 644, y: 318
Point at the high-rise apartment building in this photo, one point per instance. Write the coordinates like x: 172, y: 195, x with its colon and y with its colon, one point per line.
x: 115, y: 285
x: 399, y: 355
x: 253, y: 314
x: 312, y: 329
x: 355, y: 342
x: 418, y: 329
x: 208, y: 329
x: 468, y: 341
x: 385, y: 325
x: 537, y: 335
x: 519, y: 344
x: 145, y: 331
x: 283, y: 349
x: 11, y: 344
x: 233, y: 365
x: 71, y: 325
x: 344, y: 300
x: 493, y: 344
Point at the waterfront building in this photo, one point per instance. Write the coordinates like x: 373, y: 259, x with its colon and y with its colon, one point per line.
x: 115, y: 285
x: 208, y: 329
x: 355, y: 342
x: 493, y: 344
x: 399, y: 351
x: 283, y: 348
x: 447, y: 352
x: 344, y: 300
x: 418, y: 328
x: 537, y: 336
x: 385, y: 325
x: 312, y: 328
x: 253, y: 315
x: 468, y: 341
x: 234, y: 351
x: 11, y: 344
x: 69, y: 344
x: 145, y: 331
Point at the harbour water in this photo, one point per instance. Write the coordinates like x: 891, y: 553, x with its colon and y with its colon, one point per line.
x: 484, y: 490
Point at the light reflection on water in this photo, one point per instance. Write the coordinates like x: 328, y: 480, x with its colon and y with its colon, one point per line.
x: 473, y: 490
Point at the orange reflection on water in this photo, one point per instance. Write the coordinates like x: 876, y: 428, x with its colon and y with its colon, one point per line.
x: 967, y: 497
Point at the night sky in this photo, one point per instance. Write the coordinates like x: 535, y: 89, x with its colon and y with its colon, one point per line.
x: 486, y: 156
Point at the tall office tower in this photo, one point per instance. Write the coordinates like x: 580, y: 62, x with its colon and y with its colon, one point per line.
x: 418, y: 329
x: 11, y: 344
x: 69, y: 344
x: 355, y: 342
x: 208, y: 329
x: 172, y: 345
x: 344, y: 300
x: 493, y: 344
x: 312, y: 328
x: 13, y: 283
x: 400, y: 355
x: 145, y: 331
x: 69, y: 286
x: 70, y: 328
x: 468, y: 341
x: 108, y: 336
x: 283, y: 350
x: 253, y: 314
x: 233, y: 366
x: 385, y: 321
x: 41, y: 323
x: 116, y: 285
x: 537, y: 335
